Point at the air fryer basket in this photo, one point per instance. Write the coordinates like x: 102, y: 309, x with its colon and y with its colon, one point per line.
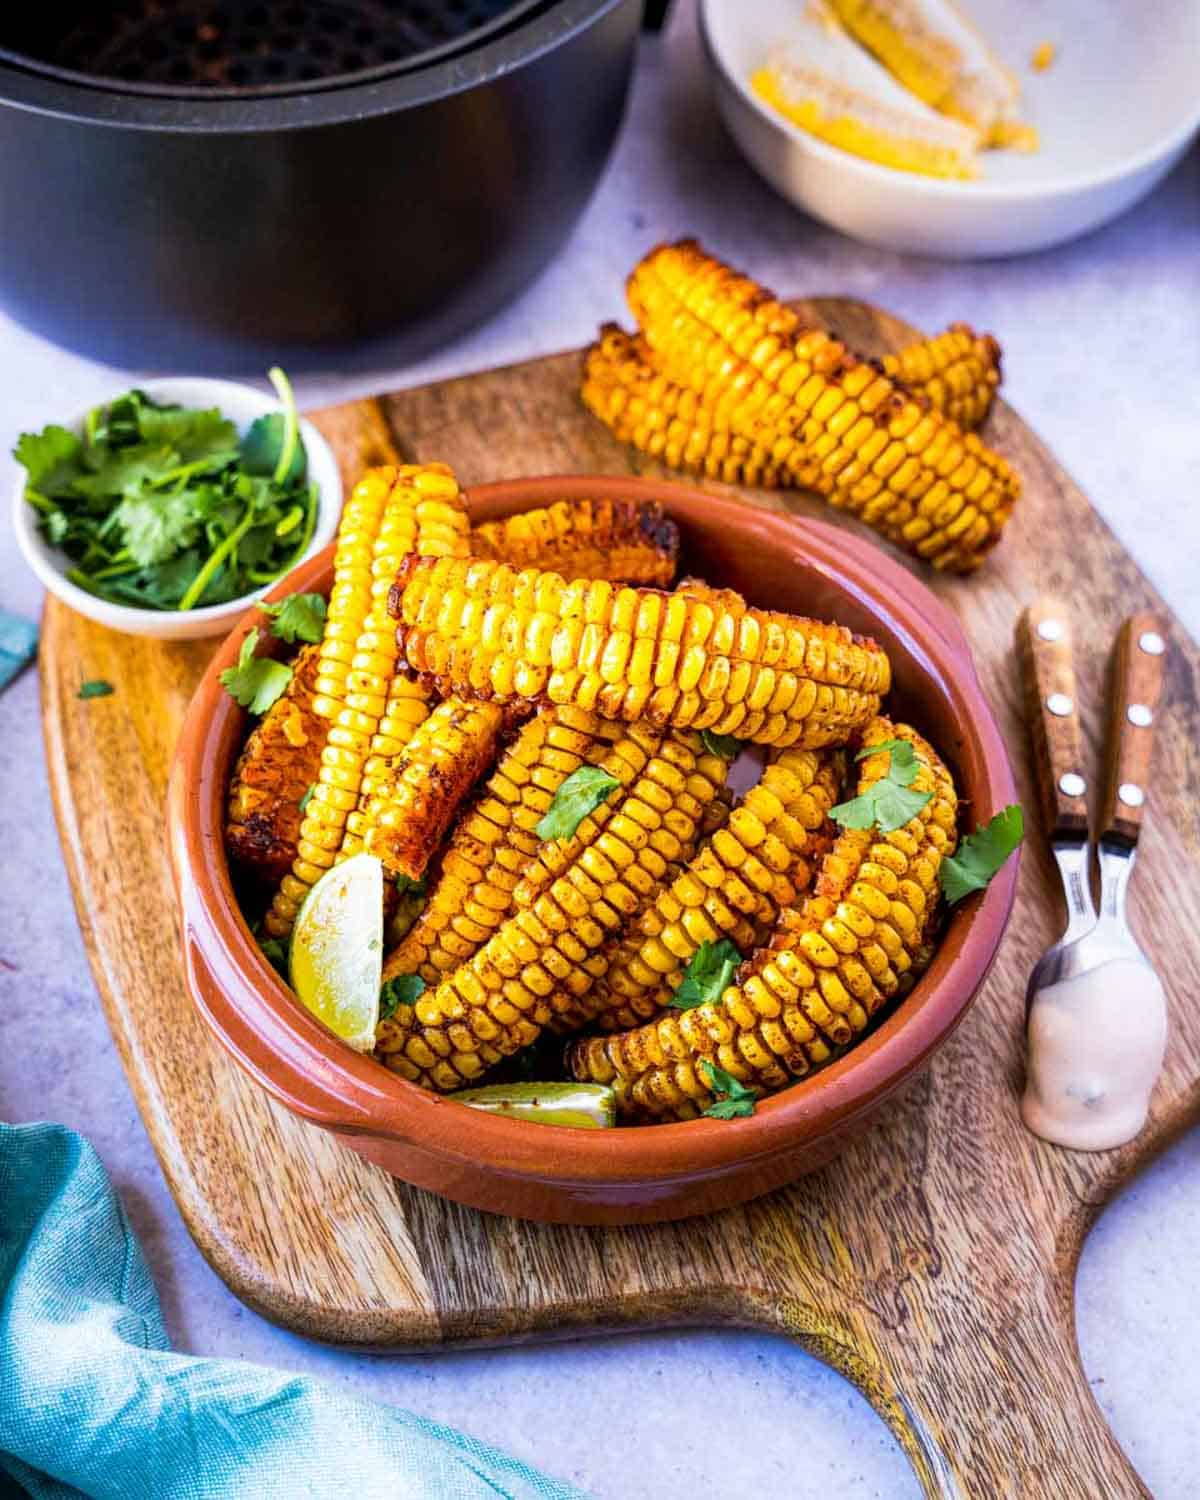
x: 245, y: 46
x: 200, y: 199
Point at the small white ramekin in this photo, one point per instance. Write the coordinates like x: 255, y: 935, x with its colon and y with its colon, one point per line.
x: 242, y: 404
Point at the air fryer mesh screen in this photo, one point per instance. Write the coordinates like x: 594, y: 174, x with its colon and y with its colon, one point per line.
x: 198, y: 44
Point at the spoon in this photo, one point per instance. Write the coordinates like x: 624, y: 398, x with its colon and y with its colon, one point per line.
x: 1095, y: 1007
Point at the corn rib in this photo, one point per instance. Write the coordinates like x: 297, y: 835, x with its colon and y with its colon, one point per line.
x: 493, y: 842
x: 413, y: 801
x: 371, y: 711
x: 572, y: 898
x: 854, y: 943
x: 624, y: 541
x: 483, y: 629
x: 835, y: 423
x: 734, y: 887
x: 279, y: 762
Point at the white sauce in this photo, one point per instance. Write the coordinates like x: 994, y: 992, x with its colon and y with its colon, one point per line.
x: 1096, y: 1045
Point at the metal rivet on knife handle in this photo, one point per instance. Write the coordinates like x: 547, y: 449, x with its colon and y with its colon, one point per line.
x: 1044, y: 637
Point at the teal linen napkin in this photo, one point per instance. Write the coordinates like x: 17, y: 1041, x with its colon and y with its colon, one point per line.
x: 18, y: 645
x: 93, y: 1402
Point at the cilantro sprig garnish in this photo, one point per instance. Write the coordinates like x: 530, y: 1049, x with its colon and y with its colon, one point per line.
x: 708, y: 976
x: 733, y: 1097
x: 257, y: 681
x: 581, y: 793
x: 981, y: 854
x: 298, y: 617
x: 890, y: 802
x: 405, y: 989
x: 164, y: 507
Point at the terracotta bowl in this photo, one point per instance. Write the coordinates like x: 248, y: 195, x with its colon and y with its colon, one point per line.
x: 654, y: 1172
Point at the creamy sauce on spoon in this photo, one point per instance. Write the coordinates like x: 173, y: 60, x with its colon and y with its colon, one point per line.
x: 1096, y: 1045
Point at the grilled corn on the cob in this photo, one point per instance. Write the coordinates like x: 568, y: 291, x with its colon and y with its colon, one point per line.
x: 493, y: 842
x: 828, y: 86
x: 734, y: 887
x: 853, y: 944
x: 625, y: 541
x: 837, y: 424
x: 571, y: 899
x: 371, y: 710
x: 933, y: 50
x: 278, y: 764
x: 484, y: 629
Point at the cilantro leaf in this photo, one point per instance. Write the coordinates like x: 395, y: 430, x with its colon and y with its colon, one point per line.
x: 273, y: 445
x: 726, y: 746
x: 733, y: 1097
x: 257, y: 681
x: 405, y: 989
x: 274, y: 950
x: 581, y: 793
x: 298, y: 617
x: 981, y: 854
x: 708, y: 975
x: 887, y: 804
x: 407, y: 886
x: 96, y: 688
x: 49, y: 457
x: 158, y: 525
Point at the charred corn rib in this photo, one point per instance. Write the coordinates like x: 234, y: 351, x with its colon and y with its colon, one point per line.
x: 837, y: 424
x: 572, y: 898
x: 955, y: 372
x: 494, y: 841
x: 485, y: 629
x: 413, y: 801
x: 278, y: 764
x: 853, y: 944
x: 827, y: 85
x: 734, y: 887
x: 371, y: 711
x: 934, y: 51
x: 624, y: 541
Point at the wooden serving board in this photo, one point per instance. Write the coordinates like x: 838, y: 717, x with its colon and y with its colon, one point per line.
x: 933, y: 1263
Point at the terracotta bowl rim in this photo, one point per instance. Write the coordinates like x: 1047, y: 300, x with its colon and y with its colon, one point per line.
x: 258, y: 1019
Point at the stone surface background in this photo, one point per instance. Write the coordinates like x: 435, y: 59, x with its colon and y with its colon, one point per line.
x: 1102, y: 351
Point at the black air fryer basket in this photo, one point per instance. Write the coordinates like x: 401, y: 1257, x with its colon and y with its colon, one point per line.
x: 214, y: 183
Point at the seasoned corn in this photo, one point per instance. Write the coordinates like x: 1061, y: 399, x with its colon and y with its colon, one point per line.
x: 482, y: 628
x: 837, y: 424
x: 625, y: 541
x: 734, y: 887
x: 494, y: 841
x: 412, y: 804
x: 371, y: 711
x: 569, y: 903
x: 854, y: 943
x: 278, y: 764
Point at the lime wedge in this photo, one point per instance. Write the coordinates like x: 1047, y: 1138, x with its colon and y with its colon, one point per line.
x: 586, y: 1106
x: 335, y: 961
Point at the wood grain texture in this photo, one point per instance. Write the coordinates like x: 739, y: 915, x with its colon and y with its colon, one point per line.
x: 933, y: 1262
x: 1044, y: 639
x: 1134, y: 700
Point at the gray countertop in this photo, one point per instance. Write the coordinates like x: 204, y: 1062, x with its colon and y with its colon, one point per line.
x: 1102, y: 356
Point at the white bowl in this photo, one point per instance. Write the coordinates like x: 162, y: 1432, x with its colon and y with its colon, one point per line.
x: 1116, y: 111
x: 242, y: 404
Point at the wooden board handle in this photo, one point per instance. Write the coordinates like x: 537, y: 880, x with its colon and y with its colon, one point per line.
x: 1138, y: 667
x: 1052, y: 713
